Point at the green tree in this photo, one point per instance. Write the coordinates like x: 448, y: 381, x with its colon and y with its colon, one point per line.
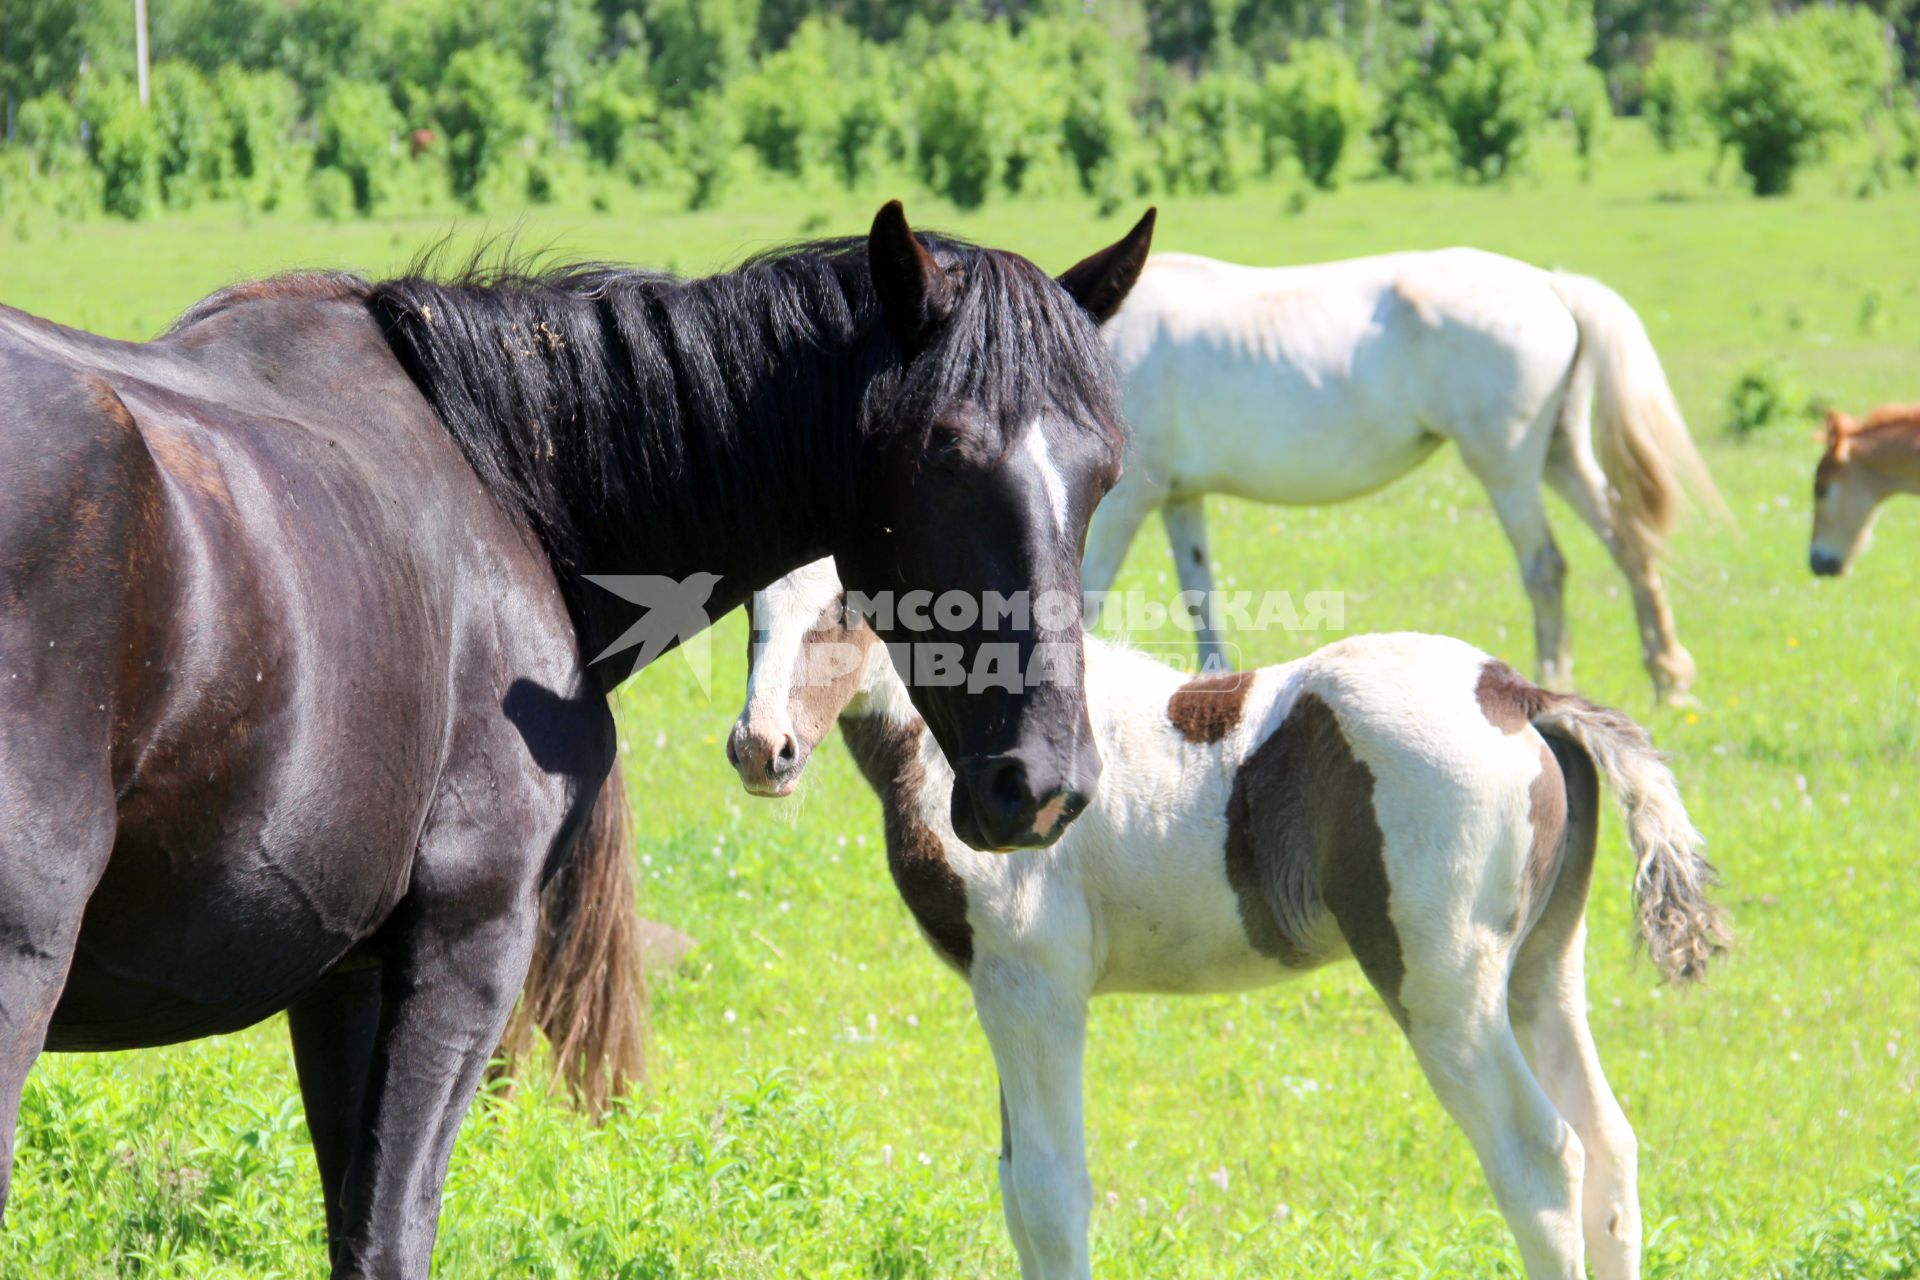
x: 193, y: 148
x: 1778, y: 105
x: 124, y: 145
x: 1315, y: 107
x: 355, y: 133
x: 1674, y: 92
x: 484, y: 114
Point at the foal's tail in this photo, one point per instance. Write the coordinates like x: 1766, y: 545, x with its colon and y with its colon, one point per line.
x: 1671, y: 876
x: 1640, y: 438
x: 586, y: 990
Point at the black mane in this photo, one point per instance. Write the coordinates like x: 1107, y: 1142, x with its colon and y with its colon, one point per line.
x: 609, y: 405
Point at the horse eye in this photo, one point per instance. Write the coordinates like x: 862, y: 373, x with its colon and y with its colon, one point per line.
x: 1820, y: 492
x: 945, y: 447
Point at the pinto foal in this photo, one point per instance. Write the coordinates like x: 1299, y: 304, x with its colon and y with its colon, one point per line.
x: 1866, y: 462
x: 1403, y: 799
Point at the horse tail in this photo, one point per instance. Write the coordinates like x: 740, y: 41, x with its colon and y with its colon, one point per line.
x: 1640, y: 436
x: 1683, y: 930
x: 586, y: 988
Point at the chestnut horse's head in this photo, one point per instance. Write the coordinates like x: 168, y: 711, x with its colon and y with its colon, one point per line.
x: 1001, y: 431
x: 1863, y: 464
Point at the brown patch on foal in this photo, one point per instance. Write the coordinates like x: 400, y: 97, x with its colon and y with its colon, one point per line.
x: 1547, y: 812
x: 888, y: 754
x: 1207, y: 708
x: 1301, y: 831
x: 1508, y: 699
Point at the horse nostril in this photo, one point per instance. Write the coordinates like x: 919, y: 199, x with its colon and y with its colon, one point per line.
x: 1007, y: 786
x: 733, y: 750
x: 788, y: 751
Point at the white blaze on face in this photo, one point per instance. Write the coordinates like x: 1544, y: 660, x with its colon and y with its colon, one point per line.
x: 1035, y: 444
x: 783, y: 613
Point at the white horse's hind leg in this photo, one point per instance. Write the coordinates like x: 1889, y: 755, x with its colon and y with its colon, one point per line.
x: 1186, y: 521
x: 1544, y: 571
x: 1532, y: 1158
x: 1038, y: 1033
x: 1576, y: 476
x: 1550, y: 1014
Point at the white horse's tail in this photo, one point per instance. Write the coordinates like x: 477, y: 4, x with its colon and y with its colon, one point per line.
x: 1671, y: 875
x: 1640, y: 438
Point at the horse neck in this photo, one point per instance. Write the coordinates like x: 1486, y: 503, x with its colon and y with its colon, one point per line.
x: 887, y: 737
x: 658, y: 428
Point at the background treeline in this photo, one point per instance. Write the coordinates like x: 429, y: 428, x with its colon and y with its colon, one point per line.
x: 360, y: 105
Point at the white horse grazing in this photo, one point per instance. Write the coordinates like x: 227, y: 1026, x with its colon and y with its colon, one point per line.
x: 1403, y: 799
x: 1310, y: 385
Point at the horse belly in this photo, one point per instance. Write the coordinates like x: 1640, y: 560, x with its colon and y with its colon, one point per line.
x: 1286, y: 427
x: 172, y: 949
x: 1177, y: 929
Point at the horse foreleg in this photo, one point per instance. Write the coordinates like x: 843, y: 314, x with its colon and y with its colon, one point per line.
x: 1037, y: 1029
x: 334, y: 1025
x: 453, y: 959
x: 1186, y: 521
x: 1577, y: 478
x: 1544, y: 572
x: 1115, y: 522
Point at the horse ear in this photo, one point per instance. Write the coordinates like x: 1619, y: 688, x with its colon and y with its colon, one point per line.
x: 915, y: 293
x: 1100, y: 282
x: 1839, y: 427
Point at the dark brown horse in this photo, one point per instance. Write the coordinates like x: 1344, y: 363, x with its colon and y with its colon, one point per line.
x: 299, y: 698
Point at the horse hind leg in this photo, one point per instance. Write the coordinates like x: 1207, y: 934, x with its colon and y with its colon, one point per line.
x: 1576, y: 477
x: 1544, y: 571
x: 1532, y: 1158
x: 1548, y: 1002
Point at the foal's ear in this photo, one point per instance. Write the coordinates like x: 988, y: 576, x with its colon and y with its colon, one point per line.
x: 915, y: 294
x: 1839, y: 427
x: 1101, y: 281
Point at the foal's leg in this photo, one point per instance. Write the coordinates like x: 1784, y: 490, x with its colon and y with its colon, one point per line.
x: 1577, y: 477
x: 455, y: 956
x: 1550, y: 1014
x: 1544, y: 571
x: 1037, y: 1030
x: 1009, y: 1199
x: 1457, y: 1022
x: 1186, y: 521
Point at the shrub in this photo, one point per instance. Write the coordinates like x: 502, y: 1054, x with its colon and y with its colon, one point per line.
x: 355, y: 130
x: 258, y: 109
x: 484, y: 113
x: 1763, y: 395
x: 1315, y: 106
x: 790, y: 106
x: 1590, y: 110
x: 1675, y: 91
x: 1873, y: 1236
x: 333, y: 194
x: 48, y: 129
x: 1779, y: 104
x: 124, y: 147
x: 186, y: 115
x: 1492, y: 103
x: 1207, y: 142
x: 1409, y: 135
x: 610, y: 108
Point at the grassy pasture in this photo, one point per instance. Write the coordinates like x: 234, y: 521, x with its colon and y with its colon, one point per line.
x: 821, y: 1103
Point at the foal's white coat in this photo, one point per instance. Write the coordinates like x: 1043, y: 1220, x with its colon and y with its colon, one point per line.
x: 1313, y: 384
x: 1136, y: 896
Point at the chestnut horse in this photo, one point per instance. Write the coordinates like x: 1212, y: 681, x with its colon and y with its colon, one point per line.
x: 1866, y: 463
x: 301, y: 690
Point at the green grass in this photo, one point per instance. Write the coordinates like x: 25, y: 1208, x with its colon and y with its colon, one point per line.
x: 821, y: 1102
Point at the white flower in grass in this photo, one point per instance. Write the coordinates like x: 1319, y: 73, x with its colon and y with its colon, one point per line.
x: 730, y: 1017
x: 1219, y: 1177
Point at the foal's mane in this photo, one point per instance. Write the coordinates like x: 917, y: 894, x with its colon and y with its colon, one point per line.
x: 584, y: 393
x: 1888, y: 417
